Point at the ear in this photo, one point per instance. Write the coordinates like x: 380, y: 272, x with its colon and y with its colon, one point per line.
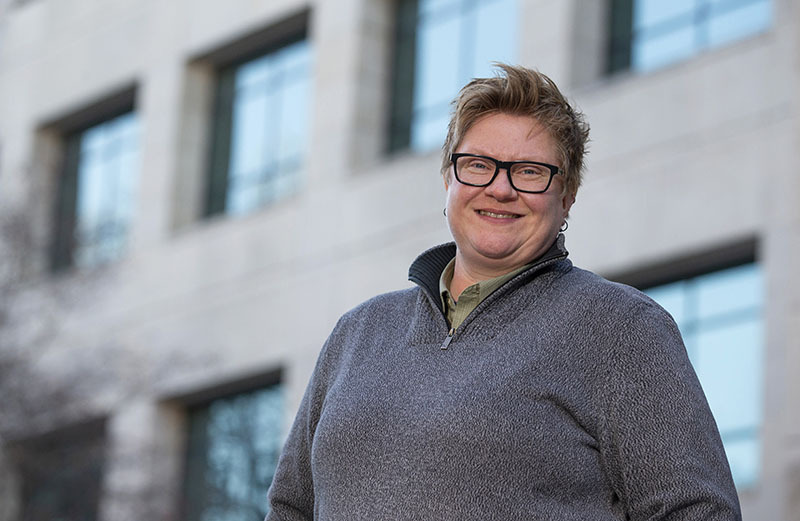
x: 567, y: 200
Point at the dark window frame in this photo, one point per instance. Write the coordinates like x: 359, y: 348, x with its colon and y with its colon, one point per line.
x: 403, y: 76
x: 620, y: 41
x: 719, y: 257
x: 90, y: 437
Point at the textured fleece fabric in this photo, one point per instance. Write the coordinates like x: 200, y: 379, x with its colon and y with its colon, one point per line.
x: 561, y: 397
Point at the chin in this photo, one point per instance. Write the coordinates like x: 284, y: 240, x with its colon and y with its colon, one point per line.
x: 497, y: 252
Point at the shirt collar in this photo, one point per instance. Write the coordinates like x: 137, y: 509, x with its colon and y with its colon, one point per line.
x: 427, y: 269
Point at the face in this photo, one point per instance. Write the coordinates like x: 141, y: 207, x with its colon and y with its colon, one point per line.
x: 496, y: 228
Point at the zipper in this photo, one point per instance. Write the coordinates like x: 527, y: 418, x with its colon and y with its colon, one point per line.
x: 495, y: 295
x: 451, y: 333
x: 448, y: 338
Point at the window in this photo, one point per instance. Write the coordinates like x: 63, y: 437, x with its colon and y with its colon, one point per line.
x: 233, y: 448
x: 720, y: 317
x: 61, y: 473
x: 261, y: 130
x: 649, y: 34
x: 440, y: 45
x: 97, y: 193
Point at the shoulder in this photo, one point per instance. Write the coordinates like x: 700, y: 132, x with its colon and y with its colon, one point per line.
x: 588, y: 289
x: 580, y: 280
x: 384, y: 310
x: 625, y: 336
x: 392, y: 302
x: 610, y: 310
x: 360, y: 325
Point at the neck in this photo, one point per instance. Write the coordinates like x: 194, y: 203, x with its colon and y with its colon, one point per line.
x: 465, y: 275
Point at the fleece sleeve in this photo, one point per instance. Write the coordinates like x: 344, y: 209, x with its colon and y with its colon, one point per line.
x: 661, y: 445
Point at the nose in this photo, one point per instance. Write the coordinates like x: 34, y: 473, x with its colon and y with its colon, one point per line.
x: 500, y: 188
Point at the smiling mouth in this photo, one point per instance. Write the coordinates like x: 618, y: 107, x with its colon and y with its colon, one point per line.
x: 498, y: 215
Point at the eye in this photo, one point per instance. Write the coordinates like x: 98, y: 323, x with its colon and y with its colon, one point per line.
x: 531, y: 170
x: 478, y: 164
x: 475, y: 165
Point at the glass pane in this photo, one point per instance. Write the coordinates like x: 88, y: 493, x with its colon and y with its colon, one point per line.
x: 728, y: 25
x: 671, y: 297
x: 90, y: 192
x: 253, y: 74
x: 243, y: 196
x: 666, y: 32
x: 647, y: 13
x: 728, y: 364
x: 436, y: 78
x: 495, y: 38
x: 455, y: 41
x: 269, y: 128
x: 729, y: 291
x: 249, y: 135
x: 126, y: 183
x: 294, y: 59
x: 294, y: 122
x: 429, y: 132
x: 92, y: 142
x: 106, y: 190
x: 440, y: 7
x: 436, y: 81
x: 744, y: 456
x: 234, y: 444
x: 659, y: 51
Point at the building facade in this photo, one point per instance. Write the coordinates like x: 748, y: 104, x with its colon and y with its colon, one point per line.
x: 192, y: 192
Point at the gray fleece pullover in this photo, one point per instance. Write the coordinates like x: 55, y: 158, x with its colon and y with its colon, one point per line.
x: 561, y: 397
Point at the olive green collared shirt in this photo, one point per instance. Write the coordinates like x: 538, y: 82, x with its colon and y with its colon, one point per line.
x: 473, y: 295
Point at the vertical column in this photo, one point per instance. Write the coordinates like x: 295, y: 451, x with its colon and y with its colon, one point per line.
x: 565, y: 39
x: 545, y: 36
x: 158, y: 103
x: 373, y: 82
x: 188, y: 194
x: 142, y: 479
x: 349, y: 94
x: 780, y: 255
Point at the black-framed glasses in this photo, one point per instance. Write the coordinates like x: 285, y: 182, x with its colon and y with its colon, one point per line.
x: 530, y: 177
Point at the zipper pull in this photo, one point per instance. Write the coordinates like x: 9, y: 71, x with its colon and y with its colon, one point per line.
x: 448, y: 338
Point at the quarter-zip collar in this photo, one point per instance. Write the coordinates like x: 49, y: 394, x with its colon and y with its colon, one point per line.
x: 427, y: 268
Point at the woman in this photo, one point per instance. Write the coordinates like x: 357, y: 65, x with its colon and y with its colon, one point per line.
x: 508, y: 384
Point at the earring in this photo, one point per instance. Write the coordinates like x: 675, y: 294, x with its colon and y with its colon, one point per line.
x: 444, y: 211
x: 564, y: 226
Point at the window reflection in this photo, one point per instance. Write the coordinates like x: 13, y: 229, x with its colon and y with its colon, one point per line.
x: 98, y: 193
x: 720, y: 317
x: 450, y: 42
x: 268, y: 106
x: 660, y: 33
x: 234, y: 444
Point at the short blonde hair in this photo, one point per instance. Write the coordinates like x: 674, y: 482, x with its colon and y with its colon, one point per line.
x: 520, y: 91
